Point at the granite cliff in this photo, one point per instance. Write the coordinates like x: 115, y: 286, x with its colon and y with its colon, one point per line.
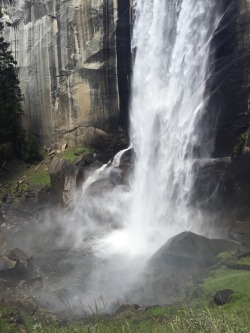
x: 69, y: 55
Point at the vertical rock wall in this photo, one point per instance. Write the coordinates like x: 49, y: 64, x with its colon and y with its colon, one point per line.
x: 231, y: 78
x: 67, y: 65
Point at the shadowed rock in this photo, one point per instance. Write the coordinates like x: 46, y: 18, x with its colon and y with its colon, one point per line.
x: 223, y: 296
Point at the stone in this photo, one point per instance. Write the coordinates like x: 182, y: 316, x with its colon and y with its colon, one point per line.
x: 240, y: 231
x: 80, y: 161
x: 6, y: 264
x: 19, y: 255
x: 127, y: 307
x: 191, y: 248
x: 71, y: 89
x: 223, y: 296
x: 100, y: 186
x: 64, y: 177
x: 3, y: 240
x: 64, y: 146
x: 184, y: 259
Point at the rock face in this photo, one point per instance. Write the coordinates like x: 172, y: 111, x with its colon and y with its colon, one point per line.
x: 230, y: 78
x: 67, y: 65
x: 184, y: 258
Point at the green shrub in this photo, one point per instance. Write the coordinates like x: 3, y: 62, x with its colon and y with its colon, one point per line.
x: 30, y: 151
x: 6, y: 151
x: 240, y: 144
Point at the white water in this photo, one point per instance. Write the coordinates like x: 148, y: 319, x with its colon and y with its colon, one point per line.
x: 171, y: 42
x: 127, y: 224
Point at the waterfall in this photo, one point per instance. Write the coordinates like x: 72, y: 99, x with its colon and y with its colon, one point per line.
x: 124, y: 225
x: 171, y: 43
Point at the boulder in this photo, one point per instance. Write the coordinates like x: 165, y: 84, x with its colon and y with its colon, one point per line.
x: 6, y: 264
x: 100, y: 186
x: 223, y: 296
x: 23, y: 261
x: 190, y: 249
x: 127, y: 307
x: 185, y: 258
x: 64, y: 177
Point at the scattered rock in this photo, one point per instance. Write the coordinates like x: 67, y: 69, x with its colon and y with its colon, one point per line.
x: 223, y: 296
x: 127, y: 307
x: 6, y: 264
x: 53, y: 152
x: 64, y: 146
x: 19, y: 255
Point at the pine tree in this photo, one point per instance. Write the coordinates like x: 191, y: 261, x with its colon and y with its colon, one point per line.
x: 10, y: 98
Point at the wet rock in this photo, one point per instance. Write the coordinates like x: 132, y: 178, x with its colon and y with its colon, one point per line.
x: 240, y: 231
x: 4, y: 284
x: 3, y: 240
x: 43, y: 194
x: 223, y: 296
x: 100, y: 186
x: 6, y: 264
x: 127, y: 307
x: 192, y: 249
x: 185, y: 258
x: 23, y: 261
x: 19, y: 255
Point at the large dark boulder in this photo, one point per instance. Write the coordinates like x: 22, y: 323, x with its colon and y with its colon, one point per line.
x: 189, y: 249
x: 185, y: 258
x: 223, y: 296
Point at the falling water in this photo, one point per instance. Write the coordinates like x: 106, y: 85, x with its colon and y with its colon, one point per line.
x: 172, y: 47
x: 124, y: 225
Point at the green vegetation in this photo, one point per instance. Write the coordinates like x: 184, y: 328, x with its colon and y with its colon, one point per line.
x: 10, y: 99
x: 226, y: 255
x: 224, y: 278
x: 199, y: 316
x: 192, y: 319
x: 40, y: 178
x: 72, y: 154
x: 240, y: 144
x: 30, y: 149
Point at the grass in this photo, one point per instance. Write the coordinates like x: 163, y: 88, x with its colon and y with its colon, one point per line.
x: 199, y: 316
x: 72, y: 154
x: 224, y: 278
x: 40, y: 178
x: 160, y: 320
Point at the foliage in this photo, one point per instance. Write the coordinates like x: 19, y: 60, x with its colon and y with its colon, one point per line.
x: 240, y: 144
x: 226, y: 255
x: 6, y: 151
x: 224, y: 278
x: 40, y: 178
x: 10, y: 98
x: 72, y: 154
x: 30, y: 149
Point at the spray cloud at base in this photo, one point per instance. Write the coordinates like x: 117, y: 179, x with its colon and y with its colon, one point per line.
x: 120, y: 225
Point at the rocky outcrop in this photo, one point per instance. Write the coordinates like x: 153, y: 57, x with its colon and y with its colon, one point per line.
x: 229, y: 84
x: 64, y: 177
x: 67, y: 64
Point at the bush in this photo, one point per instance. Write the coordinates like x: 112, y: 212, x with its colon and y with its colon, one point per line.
x: 6, y: 151
x: 31, y: 149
